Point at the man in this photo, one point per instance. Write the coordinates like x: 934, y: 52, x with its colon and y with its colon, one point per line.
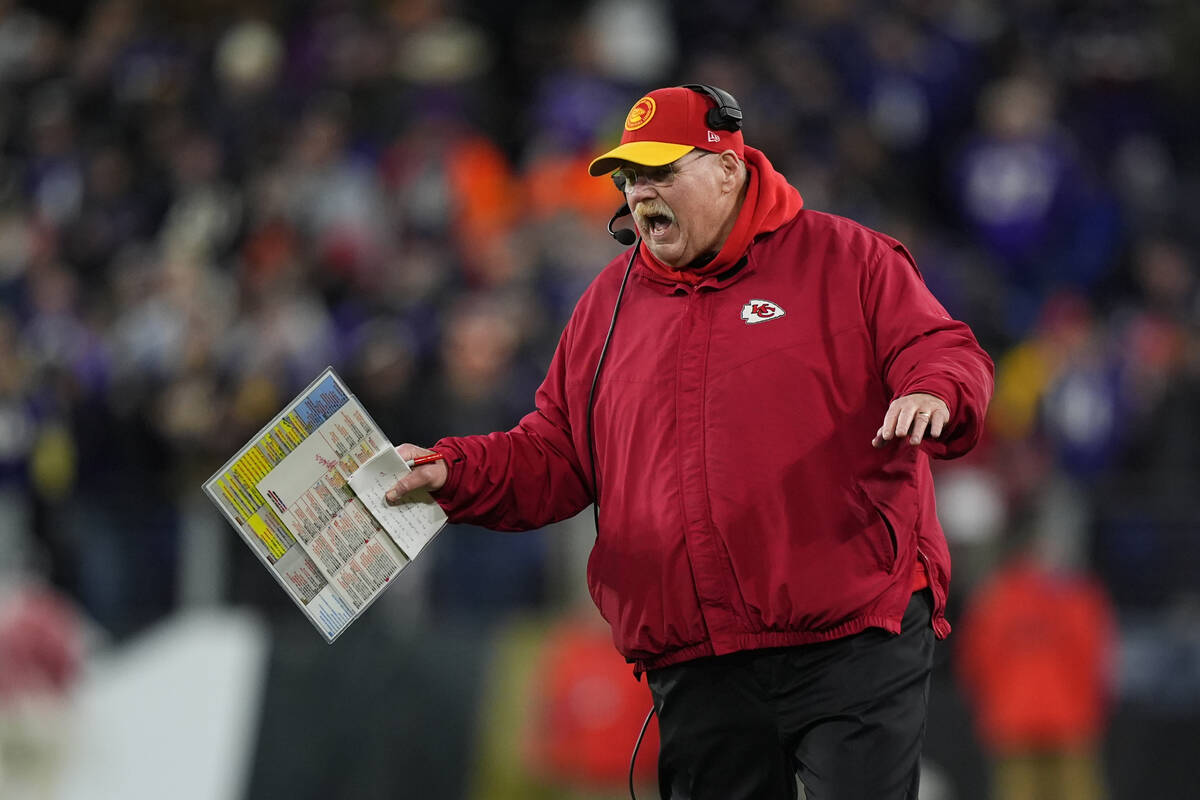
x: 771, y: 391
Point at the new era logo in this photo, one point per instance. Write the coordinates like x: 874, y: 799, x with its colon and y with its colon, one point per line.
x: 712, y: 137
x: 760, y: 311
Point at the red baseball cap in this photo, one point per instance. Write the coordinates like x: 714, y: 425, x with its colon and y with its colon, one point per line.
x: 665, y: 125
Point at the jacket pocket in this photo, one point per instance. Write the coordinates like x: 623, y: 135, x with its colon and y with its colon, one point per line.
x: 881, y: 531
x: 596, y: 579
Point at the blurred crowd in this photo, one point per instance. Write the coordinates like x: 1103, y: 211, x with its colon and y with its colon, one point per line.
x: 203, y: 204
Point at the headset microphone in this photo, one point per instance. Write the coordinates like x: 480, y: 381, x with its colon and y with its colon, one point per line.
x: 623, y: 235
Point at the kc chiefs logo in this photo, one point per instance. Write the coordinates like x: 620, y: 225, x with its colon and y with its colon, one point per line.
x: 641, y: 113
x: 760, y: 311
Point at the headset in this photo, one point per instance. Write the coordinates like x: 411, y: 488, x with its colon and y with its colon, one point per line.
x: 725, y: 116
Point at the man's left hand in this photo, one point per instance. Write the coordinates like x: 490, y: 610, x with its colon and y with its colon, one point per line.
x: 914, y: 416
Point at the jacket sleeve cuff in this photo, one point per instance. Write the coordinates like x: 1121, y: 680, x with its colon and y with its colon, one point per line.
x: 454, y: 458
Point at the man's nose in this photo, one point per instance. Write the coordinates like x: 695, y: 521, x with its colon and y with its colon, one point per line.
x: 638, y: 190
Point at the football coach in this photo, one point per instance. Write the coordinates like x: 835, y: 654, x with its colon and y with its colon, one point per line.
x: 750, y: 396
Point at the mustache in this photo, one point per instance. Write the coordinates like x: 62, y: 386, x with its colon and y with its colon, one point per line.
x: 652, y: 208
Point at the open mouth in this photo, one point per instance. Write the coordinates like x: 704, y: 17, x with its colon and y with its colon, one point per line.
x: 654, y: 218
x: 657, y: 224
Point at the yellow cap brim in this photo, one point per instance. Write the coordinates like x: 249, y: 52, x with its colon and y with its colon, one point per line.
x: 646, y: 154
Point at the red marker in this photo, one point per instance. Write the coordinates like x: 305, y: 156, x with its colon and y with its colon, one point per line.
x: 425, y: 459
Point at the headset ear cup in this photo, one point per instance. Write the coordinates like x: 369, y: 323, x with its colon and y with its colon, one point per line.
x: 727, y: 110
x: 726, y: 115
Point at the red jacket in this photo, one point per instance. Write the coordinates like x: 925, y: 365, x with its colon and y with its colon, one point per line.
x: 741, y: 503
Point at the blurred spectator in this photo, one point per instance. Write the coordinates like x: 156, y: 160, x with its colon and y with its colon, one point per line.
x: 477, y: 575
x: 18, y: 433
x: 1036, y: 655
x: 973, y: 509
x: 41, y: 652
x: 1084, y: 415
x: 586, y: 711
x: 1030, y: 199
x: 563, y: 716
x: 41, y: 645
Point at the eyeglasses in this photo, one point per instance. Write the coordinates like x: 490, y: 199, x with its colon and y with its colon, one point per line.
x: 655, y: 176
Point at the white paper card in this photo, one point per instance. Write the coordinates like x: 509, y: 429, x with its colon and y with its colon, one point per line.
x: 413, y: 523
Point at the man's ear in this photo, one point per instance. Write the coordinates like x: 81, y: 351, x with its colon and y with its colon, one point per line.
x: 732, y: 168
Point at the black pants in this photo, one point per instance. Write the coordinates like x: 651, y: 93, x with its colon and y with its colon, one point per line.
x: 847, y: 717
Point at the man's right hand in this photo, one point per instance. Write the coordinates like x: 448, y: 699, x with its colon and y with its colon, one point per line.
x: 430, y: 477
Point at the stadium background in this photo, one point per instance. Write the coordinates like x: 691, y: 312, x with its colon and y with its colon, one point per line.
x: 204, y: 203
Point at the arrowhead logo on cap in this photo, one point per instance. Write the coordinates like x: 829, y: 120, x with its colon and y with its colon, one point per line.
x: 641, y: 113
